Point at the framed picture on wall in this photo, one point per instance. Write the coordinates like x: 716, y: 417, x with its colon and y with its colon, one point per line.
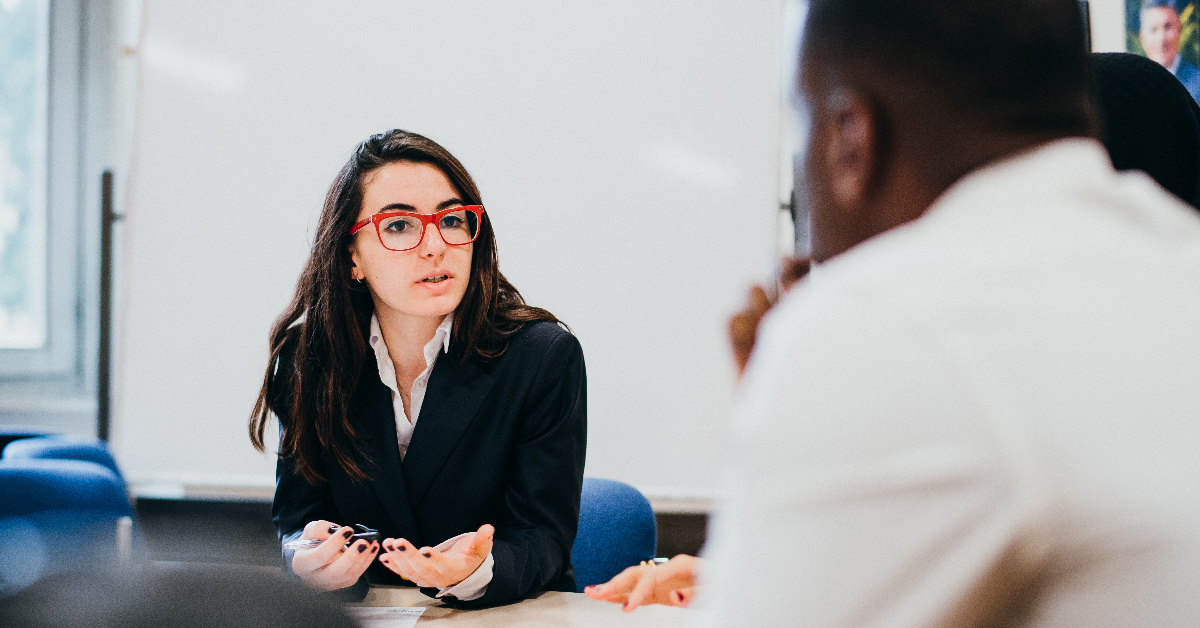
x: 1166, y: 31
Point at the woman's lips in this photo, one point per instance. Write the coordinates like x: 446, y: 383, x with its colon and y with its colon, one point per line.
x: 437, y: 281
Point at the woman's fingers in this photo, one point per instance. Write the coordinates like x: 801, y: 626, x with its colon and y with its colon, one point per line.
x: 306, y: 561
x: 670, y: 583
x: 397, y: 558
x: 481, y: 544
x: 429, y: 567
x: 646, y: 591
x: 345, y: 567
x: 320, y: 529
x: 682, y: 597
x: 617, y: 590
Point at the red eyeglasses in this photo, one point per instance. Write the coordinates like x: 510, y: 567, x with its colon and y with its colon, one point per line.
x: 403, y: 231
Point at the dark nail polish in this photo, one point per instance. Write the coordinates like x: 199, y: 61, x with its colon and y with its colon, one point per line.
x: 427, y: 555
x: 403, y: 548
x: 362, y: 548
x: 333, y: 528
x: 348, y: 533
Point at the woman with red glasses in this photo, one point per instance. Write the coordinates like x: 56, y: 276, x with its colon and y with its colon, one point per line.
x: 419, y: 396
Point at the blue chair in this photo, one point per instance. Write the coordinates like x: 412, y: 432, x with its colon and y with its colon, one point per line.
x: 58, y: 515
x: 617, y: 529
x: 63, y: 448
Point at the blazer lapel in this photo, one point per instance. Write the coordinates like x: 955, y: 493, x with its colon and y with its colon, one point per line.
x: 455, y: 394
x: 378, y: 423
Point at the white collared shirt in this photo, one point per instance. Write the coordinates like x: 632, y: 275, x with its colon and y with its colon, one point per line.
x: 475, y: 585
x: 387, y: 373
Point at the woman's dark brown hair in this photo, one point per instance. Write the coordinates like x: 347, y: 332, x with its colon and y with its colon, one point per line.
x: 324, y: 328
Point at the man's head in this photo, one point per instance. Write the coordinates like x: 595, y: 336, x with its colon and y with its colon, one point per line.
x: 1160, y: 30
x: 906, y: 96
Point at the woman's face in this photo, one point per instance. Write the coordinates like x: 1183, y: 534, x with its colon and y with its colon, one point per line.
x: 429, y: 280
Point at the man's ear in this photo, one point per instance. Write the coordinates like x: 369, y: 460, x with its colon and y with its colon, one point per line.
x: 853, y: 150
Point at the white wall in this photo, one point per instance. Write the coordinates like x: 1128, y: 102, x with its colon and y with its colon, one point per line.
x: 627, y: 151
x: 1108, y: 25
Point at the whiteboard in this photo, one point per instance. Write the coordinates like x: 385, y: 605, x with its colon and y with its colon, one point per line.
x: 627, y: 151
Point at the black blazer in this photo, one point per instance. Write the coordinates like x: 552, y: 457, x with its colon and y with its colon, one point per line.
x: 500, y: 443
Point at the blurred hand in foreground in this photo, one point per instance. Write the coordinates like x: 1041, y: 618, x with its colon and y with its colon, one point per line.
x: 672, y: 583
x: 743, y: 326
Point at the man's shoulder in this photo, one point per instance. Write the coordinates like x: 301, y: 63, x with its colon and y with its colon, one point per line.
x: 1189, y: 74
x: 1187, y: 70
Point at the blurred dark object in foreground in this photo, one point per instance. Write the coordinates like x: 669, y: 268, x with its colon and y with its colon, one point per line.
x: 207, y: 597
x: 1150, y: 122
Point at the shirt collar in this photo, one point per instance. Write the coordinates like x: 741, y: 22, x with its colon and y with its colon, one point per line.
x: 1174, y: 67
x: 440, y: 337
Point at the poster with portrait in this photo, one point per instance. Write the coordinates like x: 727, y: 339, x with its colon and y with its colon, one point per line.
x: 1166, y: 31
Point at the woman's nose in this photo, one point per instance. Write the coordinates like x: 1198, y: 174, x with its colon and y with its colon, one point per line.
x: 432, y: 244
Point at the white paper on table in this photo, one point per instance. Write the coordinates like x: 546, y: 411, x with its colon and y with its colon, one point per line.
x: 386, y: 616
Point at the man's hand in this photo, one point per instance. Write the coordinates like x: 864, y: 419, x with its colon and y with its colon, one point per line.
x: 743, y: 326
x: 672, y: 583
x: 331, y: 565
x: 429, y: 567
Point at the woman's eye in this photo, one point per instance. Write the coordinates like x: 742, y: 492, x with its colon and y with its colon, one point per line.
x: 452, y: 221
x: 397, y: 226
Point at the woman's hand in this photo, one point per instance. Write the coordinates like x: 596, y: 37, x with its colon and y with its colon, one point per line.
x: 429, y: 567
x: 672, y: 583
x: 331, y: 565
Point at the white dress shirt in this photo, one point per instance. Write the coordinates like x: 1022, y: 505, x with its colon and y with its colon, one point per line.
x: 476, y: 584
x: 1007, y: 388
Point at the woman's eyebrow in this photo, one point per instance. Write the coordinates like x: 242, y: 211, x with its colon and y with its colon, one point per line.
x: 405, y: 207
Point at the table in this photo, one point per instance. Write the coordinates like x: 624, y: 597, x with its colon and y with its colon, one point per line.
x: 548, y: 609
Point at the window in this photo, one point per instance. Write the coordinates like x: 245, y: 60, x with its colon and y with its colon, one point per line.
x: 24, y: 68
x: 54, y: 59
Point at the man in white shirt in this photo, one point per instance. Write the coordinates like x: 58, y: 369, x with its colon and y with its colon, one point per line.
x: 982, y: 407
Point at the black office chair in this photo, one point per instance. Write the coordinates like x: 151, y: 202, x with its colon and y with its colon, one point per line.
x: 1150, y: 122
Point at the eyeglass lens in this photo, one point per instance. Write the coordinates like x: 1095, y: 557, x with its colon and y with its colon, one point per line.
x: 401, y: 233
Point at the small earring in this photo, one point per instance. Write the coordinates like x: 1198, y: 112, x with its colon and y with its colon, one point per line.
x: 360, y: 280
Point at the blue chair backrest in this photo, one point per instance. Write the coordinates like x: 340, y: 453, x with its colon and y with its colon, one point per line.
x: 616, y: 530
x: 10, y: 433
x: 37, y: 485
x: 58, y: 515
x: 62, y: 448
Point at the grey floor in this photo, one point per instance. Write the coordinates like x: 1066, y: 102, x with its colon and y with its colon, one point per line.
x: 240, y: 533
